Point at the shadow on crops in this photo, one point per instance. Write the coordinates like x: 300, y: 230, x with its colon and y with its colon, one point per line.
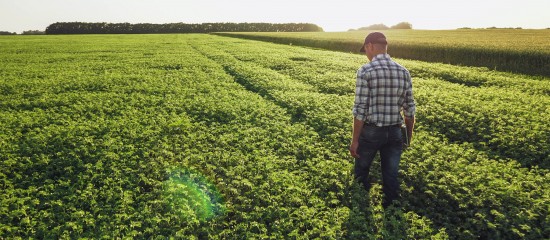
x: 367, y: 218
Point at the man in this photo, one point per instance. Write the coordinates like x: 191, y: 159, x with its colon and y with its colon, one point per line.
x: 383, y: 90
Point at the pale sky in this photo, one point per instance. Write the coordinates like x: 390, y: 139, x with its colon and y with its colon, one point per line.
x: 340, y: 15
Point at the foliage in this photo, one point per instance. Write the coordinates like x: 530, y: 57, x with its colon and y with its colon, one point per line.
x: 7, y: 33
x: 402, y: 25
x: 33, y: 32
x: 378, y: 26
x: 142, y: 28
x: 208, y: 137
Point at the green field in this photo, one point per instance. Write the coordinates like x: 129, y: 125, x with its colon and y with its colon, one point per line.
x: 511, y: 50
x: 210, y: 137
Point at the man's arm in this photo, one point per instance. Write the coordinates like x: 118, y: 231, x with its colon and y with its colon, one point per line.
x: 357, y: 126
x: 409, y: 122
x: 409, y: 107
x: 359, y: 112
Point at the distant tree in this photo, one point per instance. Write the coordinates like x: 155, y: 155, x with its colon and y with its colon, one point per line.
x: 379, y: 26
x: 504, y: 28
x: 7, y: 33
x: 33, y: 32
x: 402, y: 25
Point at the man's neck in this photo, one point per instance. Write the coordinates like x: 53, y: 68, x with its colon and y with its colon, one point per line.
x: 376, y: 54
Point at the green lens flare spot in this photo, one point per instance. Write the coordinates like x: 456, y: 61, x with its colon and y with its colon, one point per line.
x: 190, y: 195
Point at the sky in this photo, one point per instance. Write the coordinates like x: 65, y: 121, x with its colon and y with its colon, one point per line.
x: 332, y: 16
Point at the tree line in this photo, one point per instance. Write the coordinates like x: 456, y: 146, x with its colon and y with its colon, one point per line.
x: 380, y: 26
x: 142, y: 28
x: 29, y: 32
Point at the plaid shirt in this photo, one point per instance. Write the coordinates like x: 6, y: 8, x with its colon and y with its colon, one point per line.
x: 383, y: 89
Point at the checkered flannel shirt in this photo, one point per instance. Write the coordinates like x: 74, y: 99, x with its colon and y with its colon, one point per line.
x: 383, y: 89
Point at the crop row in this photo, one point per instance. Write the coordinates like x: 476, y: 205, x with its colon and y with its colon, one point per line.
x: 501, y: 122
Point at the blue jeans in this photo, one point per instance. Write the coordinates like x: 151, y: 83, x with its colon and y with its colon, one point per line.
x: 387, y: 141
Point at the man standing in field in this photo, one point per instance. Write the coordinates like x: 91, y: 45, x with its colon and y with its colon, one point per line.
x: 383, y: 90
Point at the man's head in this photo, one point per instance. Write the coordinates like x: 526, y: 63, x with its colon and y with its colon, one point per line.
x: 375, y: 43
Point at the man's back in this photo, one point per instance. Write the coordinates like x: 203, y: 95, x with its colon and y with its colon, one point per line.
x: 385, y: 87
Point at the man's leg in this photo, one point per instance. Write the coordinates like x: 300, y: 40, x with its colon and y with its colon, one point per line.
x: 390, y: 156
x: 369, y: 142
x: 362, y: 167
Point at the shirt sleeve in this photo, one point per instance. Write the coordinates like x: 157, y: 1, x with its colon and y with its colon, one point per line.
x: 409, y: 105
x: 360, y: 105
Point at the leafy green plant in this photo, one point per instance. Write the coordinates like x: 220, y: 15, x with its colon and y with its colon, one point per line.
x: 208, y: 137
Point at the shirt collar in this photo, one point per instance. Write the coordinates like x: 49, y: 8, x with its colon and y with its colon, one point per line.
x: 381, y: 56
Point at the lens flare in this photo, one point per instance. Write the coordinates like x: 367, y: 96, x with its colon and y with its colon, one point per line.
x: 190, y: 195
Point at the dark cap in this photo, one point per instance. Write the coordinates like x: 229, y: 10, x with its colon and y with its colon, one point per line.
x: 374, y: 37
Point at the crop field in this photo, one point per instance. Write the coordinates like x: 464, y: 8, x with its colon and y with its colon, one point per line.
x: 210, y: 137
x: 513, y: 50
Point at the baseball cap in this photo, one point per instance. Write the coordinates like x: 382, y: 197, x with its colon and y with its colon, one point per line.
x: 374, y: 37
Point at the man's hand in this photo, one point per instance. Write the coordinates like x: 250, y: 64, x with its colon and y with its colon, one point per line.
x: 357, y: 127
x: 405, y: 146
x: 409, y: 122
x: 353, y: 149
